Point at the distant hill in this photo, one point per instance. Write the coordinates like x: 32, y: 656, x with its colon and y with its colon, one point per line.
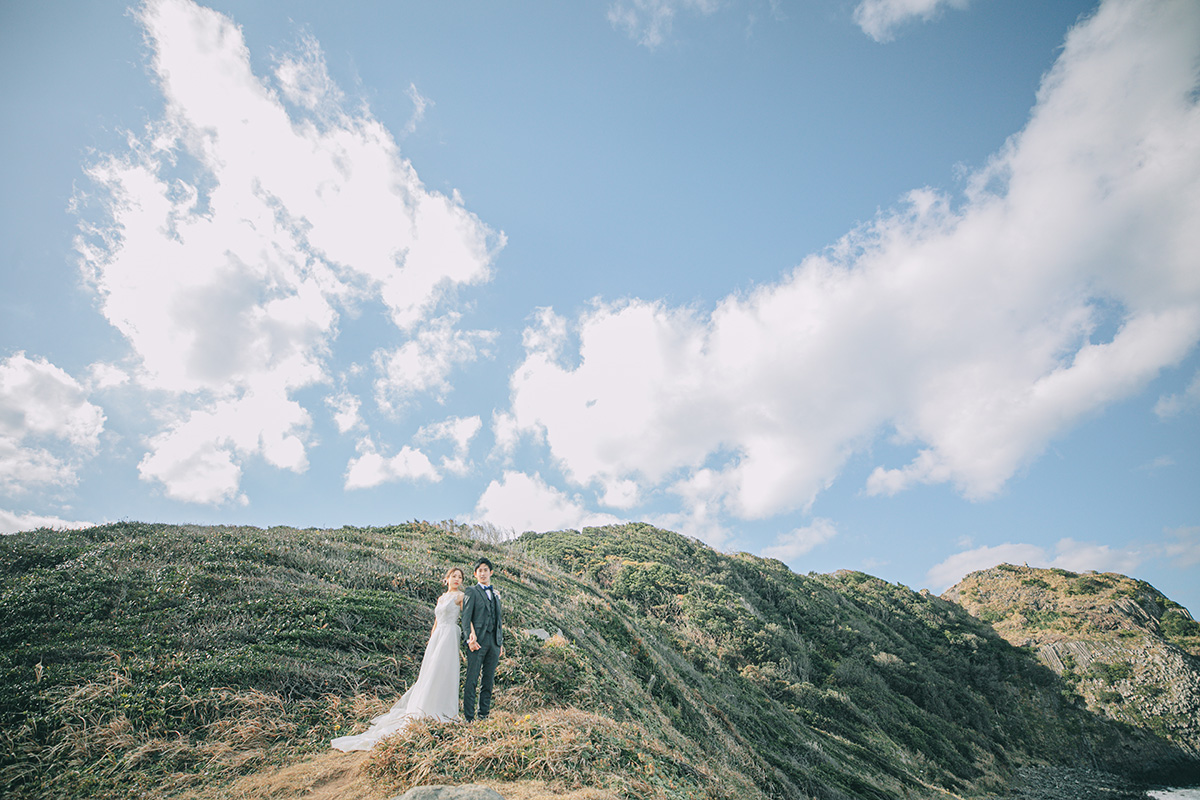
x: 140, y: 659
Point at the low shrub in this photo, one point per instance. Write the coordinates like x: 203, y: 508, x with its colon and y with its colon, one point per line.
x: 1086, y: 585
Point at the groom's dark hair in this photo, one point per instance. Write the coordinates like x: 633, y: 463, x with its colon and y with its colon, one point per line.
x: 483, y: 561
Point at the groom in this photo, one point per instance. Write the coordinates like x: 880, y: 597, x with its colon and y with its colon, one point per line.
x: 481, y: 618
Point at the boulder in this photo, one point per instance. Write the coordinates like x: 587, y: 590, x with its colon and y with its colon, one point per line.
x: 470, y: 791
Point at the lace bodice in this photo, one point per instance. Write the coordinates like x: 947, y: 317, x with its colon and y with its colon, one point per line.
x: 447, y: 611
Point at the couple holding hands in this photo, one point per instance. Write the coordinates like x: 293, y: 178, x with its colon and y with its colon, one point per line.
x: 472, y: 616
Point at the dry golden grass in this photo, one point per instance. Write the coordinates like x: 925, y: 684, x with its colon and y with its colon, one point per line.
x: 554, y: 750
x: 322, y: 777
x: 340, y: 776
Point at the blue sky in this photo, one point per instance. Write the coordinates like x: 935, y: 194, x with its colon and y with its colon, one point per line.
x: 907, y: 287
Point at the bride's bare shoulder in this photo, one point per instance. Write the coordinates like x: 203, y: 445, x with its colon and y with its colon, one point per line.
x: 458, y: 596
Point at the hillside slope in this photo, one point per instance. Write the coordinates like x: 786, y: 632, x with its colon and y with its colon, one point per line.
x: 171, y: 660
x: 1130, y: 652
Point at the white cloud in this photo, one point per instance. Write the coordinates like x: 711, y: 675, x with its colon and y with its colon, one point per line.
x: 966, y: 327
x: 1172, y: 405
x: 879, y: 19
x: 304, y: 79
x: 459, y: 431
x: 700, y: 495
x: 423, y: 364
x: 648, y: 22
x: 1084, y: 556
x: 371, y: 469
x: 506, y: 432
x: 1069, y: 555
x: 956, y: 567
x: 234, y: 232
x: 197, y: 458
x: 524, y: 502
x: 106, y: 376
x: 1185, y: 549
x: 345, y: 408
x: 420, y: 105
x: 621, y: 494
x: 47, y: 425
x: 1160, y: 462
x: 12, y: 522
x: 790, y: 546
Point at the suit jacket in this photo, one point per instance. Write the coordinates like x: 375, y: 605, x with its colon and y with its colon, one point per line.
x: 478, y: 611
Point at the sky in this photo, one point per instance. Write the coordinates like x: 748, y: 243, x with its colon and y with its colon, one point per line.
x: 910, y: 287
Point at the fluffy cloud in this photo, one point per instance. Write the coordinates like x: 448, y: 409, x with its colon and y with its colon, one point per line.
x: 524, y: 502
x: 1173, y: 405
x: 423, y: 364
x: 106, y: 376
x: 47, y: 425
x: 1184, y: 549
x: 459, y: 431
x: 701, y: 514
x: 345, y: 407
x: 11, y: 522
x: 196, y: 458
x: 371, y: 469
x: 648, y: 22
x: 972, y: 329
x: 879, y: 19
x: 790, y: 546
x: 1069, y: 554
x: 235, y: 231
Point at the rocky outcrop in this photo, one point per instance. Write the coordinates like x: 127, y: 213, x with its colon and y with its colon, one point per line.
x: 1123, y: 647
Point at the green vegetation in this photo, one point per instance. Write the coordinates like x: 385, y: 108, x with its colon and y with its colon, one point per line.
x: 1086, y: 585
x: 146, y: 659
x: 1111, y: 673
x: 1042, y: 618
x: 1176, y: 624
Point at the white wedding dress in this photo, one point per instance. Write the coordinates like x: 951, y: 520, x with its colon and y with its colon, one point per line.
x: 435, y: 694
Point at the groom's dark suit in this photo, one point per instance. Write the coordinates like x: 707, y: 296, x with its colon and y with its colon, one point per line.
x: 481, y: 608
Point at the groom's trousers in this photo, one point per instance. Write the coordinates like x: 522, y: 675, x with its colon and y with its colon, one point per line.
x: 480, y: 663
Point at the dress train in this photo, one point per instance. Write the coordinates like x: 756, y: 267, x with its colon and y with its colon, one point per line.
x: 435, y: 693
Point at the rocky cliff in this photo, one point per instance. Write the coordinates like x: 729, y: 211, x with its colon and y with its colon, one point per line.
x: 1128, y: 651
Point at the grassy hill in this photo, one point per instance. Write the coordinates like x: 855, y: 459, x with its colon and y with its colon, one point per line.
x: 142, y: 659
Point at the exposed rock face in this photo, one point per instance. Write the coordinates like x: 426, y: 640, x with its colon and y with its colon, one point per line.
x: 1130, y: 652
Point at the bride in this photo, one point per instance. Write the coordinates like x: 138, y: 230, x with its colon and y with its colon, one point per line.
x: 435, y: 694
